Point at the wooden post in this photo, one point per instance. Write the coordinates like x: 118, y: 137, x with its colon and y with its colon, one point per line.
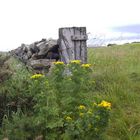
x: 72, y: 44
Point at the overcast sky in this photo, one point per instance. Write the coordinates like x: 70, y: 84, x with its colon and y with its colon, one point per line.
x: 26, y: 21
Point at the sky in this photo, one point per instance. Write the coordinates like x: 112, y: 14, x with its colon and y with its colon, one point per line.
x: 27, y: 21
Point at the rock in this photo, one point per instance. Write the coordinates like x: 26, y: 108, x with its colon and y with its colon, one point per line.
x: 29, y: 54
x: 43, y: 49
x: 51, y: 43
x: 18, y: 51
x: 24, y: 48
x: 33, y: 48
x: 40, y: 63
x: 39, y: 54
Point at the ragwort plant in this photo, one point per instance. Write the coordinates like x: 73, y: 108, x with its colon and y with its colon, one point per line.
x: 89, y: 122
x: 60, y: 110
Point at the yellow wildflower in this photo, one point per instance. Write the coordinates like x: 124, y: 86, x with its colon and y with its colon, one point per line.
x: 75, y: 61
x: 68, y: 118
x: 86, y: 65
x: 105, y: 104
x: 59, y: 63
x: 81, y: 114
x: 36, y: 76
x: 81, y: 107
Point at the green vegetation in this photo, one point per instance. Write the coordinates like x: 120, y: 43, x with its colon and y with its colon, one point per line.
x: 117, y: 76
x: 54, y: 106
x: 59, y: 107
x: 4, y: 67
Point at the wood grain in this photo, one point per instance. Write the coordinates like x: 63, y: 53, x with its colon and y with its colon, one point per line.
x: 72, y: 44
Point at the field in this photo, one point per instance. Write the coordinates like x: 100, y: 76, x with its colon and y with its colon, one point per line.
x: 117, y: 75
x: 116, y: 72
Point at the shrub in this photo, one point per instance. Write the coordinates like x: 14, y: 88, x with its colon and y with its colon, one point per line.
x: 5, y: 72
x: 58, y: 107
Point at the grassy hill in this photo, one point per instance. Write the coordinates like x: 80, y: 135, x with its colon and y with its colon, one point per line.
x: 116, y: 71
x: 117, y: 76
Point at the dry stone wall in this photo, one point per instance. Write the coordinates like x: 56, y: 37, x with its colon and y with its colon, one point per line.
x: 38, y: 55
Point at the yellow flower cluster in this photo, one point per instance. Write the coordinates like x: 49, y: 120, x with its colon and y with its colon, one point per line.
x: 59, y: 63
x: 75, y: 61
x: 86, y: 65
x: 105, y: 104
x: 36, y: 76
x: 68, y: 118
x: 81, y: 107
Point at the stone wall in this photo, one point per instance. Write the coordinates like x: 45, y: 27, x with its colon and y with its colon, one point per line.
x: 38, y: 55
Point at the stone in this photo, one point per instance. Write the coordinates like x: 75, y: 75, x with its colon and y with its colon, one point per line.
x: 43, y: 49
x: 40, y: 64
x: 29, y: 54
x: 38, y: 55
x: 33, y: 48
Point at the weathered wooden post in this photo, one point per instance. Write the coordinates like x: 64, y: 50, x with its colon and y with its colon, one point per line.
x: 72, y: 44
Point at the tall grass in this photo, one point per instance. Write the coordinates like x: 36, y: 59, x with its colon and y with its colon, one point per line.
x: 117, y: 76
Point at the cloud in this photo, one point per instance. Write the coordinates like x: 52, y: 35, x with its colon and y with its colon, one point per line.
x: 26, y: 21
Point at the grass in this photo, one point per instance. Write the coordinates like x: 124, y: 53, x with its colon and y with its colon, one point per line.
x: 116, y: 71
x: 117, y: 76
